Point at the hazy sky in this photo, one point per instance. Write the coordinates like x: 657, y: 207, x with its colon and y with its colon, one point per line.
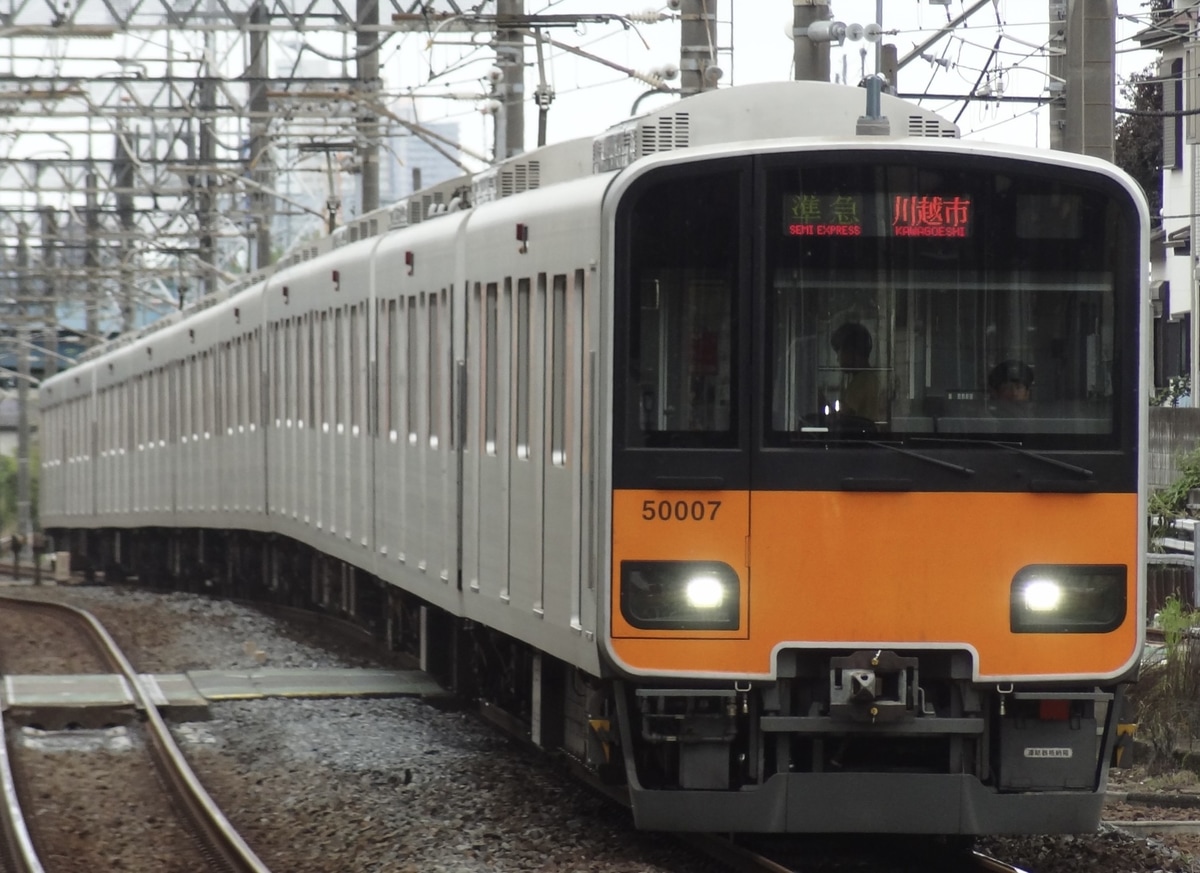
x: 589, y: 97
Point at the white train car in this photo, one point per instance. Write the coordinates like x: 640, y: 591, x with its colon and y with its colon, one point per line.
x: 568, y: 432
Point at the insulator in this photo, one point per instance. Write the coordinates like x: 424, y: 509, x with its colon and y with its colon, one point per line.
x: 649, y: 78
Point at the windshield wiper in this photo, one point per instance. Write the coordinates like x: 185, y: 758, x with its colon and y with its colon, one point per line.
x: 957, y: 468
x: 938, y: 462
x: 1082, y: 472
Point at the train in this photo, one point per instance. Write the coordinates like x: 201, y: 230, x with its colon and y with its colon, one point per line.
x: 775, y: 458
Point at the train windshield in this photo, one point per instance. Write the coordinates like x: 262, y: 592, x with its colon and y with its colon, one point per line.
x: 942, y: 299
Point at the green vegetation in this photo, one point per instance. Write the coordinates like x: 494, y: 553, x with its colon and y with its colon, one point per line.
x: 1175, y: 621
x: 1167, y: 696
x: 1176, y: 388
x: 1171, y: 503
x: 8, y: 491
x: 1138, y: 142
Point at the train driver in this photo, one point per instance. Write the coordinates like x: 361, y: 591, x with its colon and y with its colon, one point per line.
x: 1010, y: 380
x: 861, y: 395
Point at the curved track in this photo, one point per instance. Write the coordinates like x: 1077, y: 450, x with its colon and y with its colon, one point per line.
x: 19, y: 854
x: 223, y: 845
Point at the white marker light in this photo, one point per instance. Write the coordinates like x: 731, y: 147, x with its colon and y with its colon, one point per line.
x: 1042, y: 595
x: 705, y: 592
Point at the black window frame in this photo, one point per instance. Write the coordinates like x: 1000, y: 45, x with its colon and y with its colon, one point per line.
x: 689, y: 462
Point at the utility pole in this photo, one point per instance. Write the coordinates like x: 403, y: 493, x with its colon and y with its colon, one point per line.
x: 698, y: 70
x: 122, y: 169
x: 91, y: 258
x: 509, y: 90
x: 368, y: 92
x: 49, y: 291
x: 24, y: 517
x: 1056, y: 68
x: 258, y: 162
x: 810, y: 57
x: 203, y: 180
x: 1082, y: 82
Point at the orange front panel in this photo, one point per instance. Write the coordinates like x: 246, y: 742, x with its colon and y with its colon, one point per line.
x: 680, y: 526
x: 911, y: 569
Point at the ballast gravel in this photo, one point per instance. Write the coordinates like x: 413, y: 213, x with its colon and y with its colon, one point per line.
x: 409, y: 785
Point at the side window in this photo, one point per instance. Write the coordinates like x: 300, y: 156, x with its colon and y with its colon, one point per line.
x: 523, y: 354
x: 491, y: 357
x: 383, y: 369
x: 304, y: 371
x: 273, y: 353
x: 321, y: 358
x: 206, y: 392
x: 558, y: 370
x: 314, y: 368
x: 410, y: 368
x: 185, y: 399
x: 339, y: 399
x: 293, y: 370
x: 240, y: 381
x: 435, y: 371
x: 391, y: 360
x: 255, y: 378
x: 679, y: 294
x: 357, y: 385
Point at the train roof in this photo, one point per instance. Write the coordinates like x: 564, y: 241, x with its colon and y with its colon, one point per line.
x: 753, y: 113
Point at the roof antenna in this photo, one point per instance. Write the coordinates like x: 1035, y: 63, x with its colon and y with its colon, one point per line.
x: 874, y: 123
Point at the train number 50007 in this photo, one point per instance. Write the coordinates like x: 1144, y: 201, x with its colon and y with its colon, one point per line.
x: 680, y: 510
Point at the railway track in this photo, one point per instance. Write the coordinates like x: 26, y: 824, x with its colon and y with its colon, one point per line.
x: 746, y: 859
x: 975, y: 862
x: 220, y: 845
x: 993, y: 865
x: 19, y: 854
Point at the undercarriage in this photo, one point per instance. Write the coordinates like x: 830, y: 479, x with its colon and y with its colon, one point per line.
x: 868, y: 740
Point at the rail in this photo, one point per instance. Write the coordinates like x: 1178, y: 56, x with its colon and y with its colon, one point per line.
x: 19, y: 854
x: 993, y: 865
x: 223, y: 844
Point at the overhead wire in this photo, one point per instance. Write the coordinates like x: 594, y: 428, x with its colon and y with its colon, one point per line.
x: 949, y: 60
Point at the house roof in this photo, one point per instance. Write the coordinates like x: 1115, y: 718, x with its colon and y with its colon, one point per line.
x: 1178, y: 26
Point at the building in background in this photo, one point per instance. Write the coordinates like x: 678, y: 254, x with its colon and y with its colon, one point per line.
x: 1173, y: 286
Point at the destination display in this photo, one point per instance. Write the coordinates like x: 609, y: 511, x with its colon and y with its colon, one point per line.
x: 911, y: 215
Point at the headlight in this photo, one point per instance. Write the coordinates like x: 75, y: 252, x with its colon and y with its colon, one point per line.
x: 680, y: 595
x: 1064, y: 598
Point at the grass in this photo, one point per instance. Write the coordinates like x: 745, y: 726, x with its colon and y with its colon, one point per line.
x: 1167, y: 696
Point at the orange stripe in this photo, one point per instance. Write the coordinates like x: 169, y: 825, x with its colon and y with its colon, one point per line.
x: 909, y: 569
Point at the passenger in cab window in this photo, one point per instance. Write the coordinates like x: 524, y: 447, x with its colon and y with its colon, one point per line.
x: 1010, y: 381
x: 861, y: 396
